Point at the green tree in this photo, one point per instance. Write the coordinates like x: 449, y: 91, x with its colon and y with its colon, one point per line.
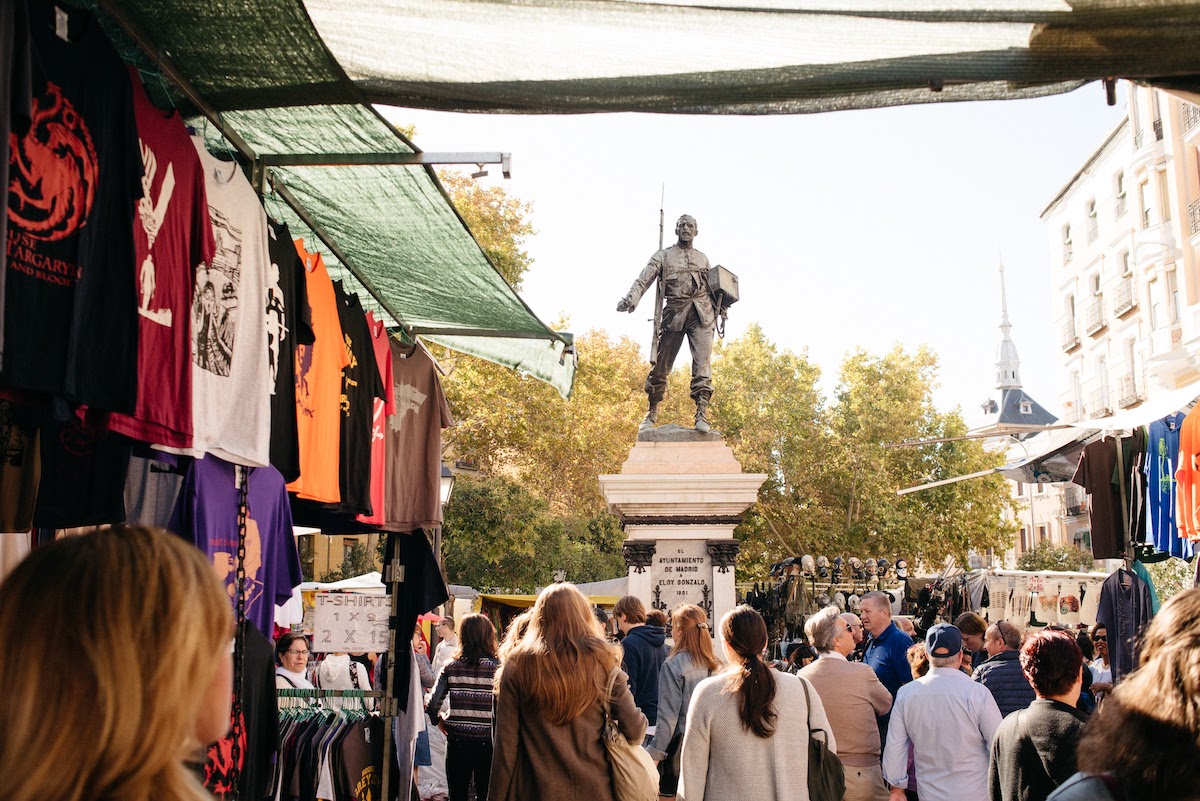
x: 498, y: 534
x: 885, y: 400
x: 1047, y: 555
x: 359, y: 560
x: 1170, y: 576
x: 498, y: 221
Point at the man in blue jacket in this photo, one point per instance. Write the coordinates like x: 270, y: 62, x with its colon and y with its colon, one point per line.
x: 1001, y: 672
x: 887, y: 653
x: 645, y: 650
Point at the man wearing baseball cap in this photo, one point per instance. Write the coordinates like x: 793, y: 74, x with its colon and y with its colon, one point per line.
x: 950, y: 721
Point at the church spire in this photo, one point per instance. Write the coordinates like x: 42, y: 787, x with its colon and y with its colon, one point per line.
x: 1008, y: 365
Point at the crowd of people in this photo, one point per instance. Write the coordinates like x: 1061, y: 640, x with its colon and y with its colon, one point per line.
x: 119, y: 709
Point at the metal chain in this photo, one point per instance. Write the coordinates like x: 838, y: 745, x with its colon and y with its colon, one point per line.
x: 239, y: 645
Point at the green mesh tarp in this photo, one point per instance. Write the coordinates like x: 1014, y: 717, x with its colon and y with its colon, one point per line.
x: 711, y: 56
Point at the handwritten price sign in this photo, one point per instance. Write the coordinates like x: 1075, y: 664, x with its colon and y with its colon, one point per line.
x: 347, y: 622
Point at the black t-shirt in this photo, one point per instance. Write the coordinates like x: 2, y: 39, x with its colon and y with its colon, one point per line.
x: 83, y: 475
x: 361, y: 384
x: 70, y: 325
x: 16, y: 101
x: 421, y: 591
x: 260, y: 728
x: 20, y: 467
x: 289, y: 323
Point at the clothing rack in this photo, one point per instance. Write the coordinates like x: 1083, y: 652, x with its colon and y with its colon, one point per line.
x: 302, y: 692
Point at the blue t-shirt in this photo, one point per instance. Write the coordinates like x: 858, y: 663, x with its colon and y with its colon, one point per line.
x: 1161, y: 462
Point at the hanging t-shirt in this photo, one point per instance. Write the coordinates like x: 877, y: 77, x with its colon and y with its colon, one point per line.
x: 83, y: 474
x: 1133, y: 450
x: 1187, y: 478
x: 414, y: 446
x: 172, y: 234
x: 260, y: 726
x: 383, y: 409
x: 20, y: 468
x: 289, y: 323
x: 361, y: 385
x: 232, y: 389
x: 207, y: 515
x: 70, y: 324
x: 1095, y: 474
x: 1162, y: 460
x: 152, y: 487
x: 1125, y: 609
x: 16, y: 105
x: 319, y: 387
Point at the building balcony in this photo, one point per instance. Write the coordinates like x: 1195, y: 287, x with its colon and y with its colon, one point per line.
x: 1093, y: 230
x: 1127, y: 391
x: 1191, y: 116
x: 1074, y: 501
x: 1139, y: 138
x: 1194, y: 218
x: 1122, y: 206
x: 1068, y: 336
x: 1073, y: 412
x: 1066, y: 252
x: 1126, y: 298
x: 1093, y: 317
x: 1099, y: 405
x: 1158, y: 130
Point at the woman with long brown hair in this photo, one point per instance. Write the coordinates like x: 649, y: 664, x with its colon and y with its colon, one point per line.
x: 552, y: 692
x: 690, y: 662
x: 747, y: 729
x: 468, y: 679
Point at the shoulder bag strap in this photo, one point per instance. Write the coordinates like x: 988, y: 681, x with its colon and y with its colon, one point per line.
x: 285, y: 678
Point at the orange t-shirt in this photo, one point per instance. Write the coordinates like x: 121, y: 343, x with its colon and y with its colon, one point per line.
x: 1187, y: 477
x: 319, y: 387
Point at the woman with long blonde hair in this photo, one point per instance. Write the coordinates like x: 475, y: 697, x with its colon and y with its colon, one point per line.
x: 690, y: 662
x: 116, y: 651
x: 552, y: 692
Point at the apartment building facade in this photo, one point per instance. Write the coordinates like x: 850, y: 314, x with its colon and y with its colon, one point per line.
x: 1123, y: 234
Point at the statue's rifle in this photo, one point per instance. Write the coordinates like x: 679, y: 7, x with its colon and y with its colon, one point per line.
x: 658, y: 285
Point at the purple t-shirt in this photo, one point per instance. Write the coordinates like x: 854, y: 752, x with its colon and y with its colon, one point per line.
x: 207, y: 515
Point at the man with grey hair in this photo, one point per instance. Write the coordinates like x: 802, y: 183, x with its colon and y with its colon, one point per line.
x: 949, y: 720
x: 887, y: 653
x: 859, y: 633
x: 853, y: 697
x: 1001, y: 672
x: 688, y: 312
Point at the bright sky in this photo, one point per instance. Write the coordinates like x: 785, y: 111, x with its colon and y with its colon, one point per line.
x: 848, y: 229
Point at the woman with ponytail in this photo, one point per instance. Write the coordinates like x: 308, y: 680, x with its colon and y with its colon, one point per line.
x: 747, y: 729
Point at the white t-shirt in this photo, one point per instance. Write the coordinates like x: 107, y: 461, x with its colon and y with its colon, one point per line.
x: 1100, y: 672
x: 231, y: 379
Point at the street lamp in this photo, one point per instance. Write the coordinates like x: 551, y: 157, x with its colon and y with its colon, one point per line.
x: 447, y: 485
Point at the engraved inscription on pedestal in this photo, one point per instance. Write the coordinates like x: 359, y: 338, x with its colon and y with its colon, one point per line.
x: 681, y: 573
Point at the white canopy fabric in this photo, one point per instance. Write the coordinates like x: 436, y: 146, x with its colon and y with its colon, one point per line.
x: 371, y: 583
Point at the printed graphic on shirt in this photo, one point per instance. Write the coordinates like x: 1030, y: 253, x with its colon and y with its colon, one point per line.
x: 218, y: 762
x: 225, y: 565
x: 54, y: 170
x: 408, y: 399
x: 304, y: 360
x: 215, y: 302
x: 1166, y: 472
x: 152, y: 210
x: 347, y: 381
x: 277, y: 331
x: 14, y: 438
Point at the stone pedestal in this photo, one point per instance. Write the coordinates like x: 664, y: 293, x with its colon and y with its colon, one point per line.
x: 679, y: 496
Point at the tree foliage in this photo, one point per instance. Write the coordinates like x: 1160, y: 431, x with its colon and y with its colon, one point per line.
x: 1047, y: 555
x: 500, y: 535
x: 499, y: 222
x: 358, y: 560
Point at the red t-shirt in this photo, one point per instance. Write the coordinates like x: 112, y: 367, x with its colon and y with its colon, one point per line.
x: 172, y: 234
x: 383, y: 410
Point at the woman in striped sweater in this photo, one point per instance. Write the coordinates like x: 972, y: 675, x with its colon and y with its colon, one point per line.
x: 468, y: 728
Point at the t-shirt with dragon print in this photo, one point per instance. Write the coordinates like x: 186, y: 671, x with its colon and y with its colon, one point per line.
x: 414, y: 444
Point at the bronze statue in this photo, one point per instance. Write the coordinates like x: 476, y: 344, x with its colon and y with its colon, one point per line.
x: 684, y: 307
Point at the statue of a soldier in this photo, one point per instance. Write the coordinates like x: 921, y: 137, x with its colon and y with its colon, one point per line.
x: 687, y: 309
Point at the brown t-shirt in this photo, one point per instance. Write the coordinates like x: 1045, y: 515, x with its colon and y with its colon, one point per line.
x: 1095, y: 474
x: 414, y: 442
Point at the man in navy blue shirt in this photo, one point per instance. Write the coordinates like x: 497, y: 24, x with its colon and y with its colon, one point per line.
x: 887, y: 653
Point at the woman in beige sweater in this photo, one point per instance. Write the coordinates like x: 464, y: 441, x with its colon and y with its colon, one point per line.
x: 747, y: 729
x: 550, y: 701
